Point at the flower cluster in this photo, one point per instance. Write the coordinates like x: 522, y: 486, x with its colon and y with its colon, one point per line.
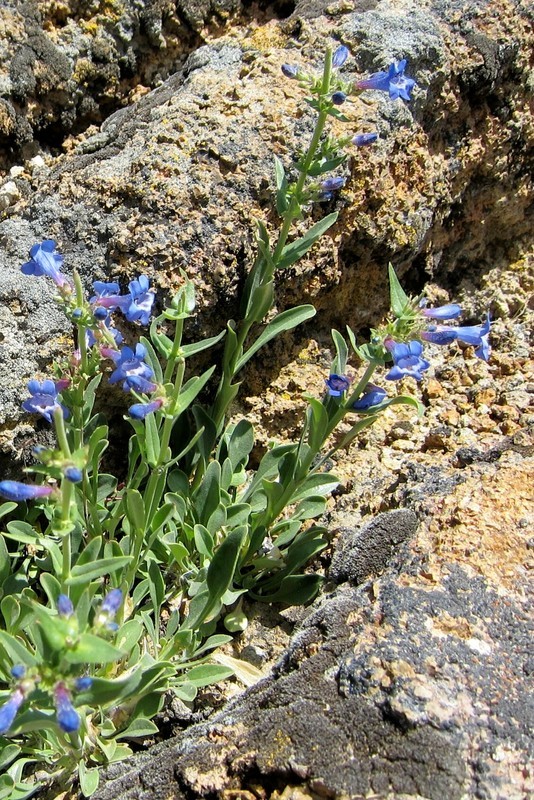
x: 67, y: 717
x: 407, y: 356
x: 393, y: 81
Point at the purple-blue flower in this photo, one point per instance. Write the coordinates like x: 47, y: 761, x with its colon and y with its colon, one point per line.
x: 141, y: 301
x: 373, y: 396
x: 129, y: 363
x: 141, y: 410
x: 337, y: 384
x: 67, y: 717
x: 64, y: 606
x: 290, y: 71
x: 43, y: 400
x: 338, y: 98
x: 9, y: 710
x: 73, y: 474
x: 140, y: 384
x: 450, y: 311
x: 364, y: 139
x: 112, y: 602
x: 45, y: 261
x: 340, y: 56
x: 18, y: 671
x: 407, y: 360
x: 13, y: 490
x: 393, y: 81
x: 83, y: 683
x: 439, y: 334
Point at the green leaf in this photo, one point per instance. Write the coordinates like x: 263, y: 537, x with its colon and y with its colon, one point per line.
x: 197, y: 347
x: 21, y: 532
x: 294, y: 590
x: 222, y: 569
x: 366, y: 422
x: 152, y: 443
x: 400, y: 302
x: 208, y: 495
x: 203, y: 541
x: 99, y: 568
x: 5, y: 561
x: 310, y: 508
x: 205, y: 674
x: 139, y: 728
x: 135, y: 510
x: 282, y: 322
x: 91, y: 649
x: 339, y: 365
x: 7, y: 508
x: 191, y: 389
x: 89, y: 779
x: 15, y: 651
x: 316, y: 483
x: 282, y: 202
x: 292, y: 252
x: 318, y: 423
x: 241, y: 443
x: 152, y: 359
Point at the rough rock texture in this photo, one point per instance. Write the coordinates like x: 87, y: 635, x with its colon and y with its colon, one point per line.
x: 415, y: 684
x: 412, y: 684
x: 175, y: 180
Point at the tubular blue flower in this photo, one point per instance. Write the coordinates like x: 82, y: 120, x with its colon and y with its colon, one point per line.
x: 141, y: 302
x: 364, y: 139
x: 477, y: 336
x: 73, y: 474
x: 332, y: 184
x: 112, y: 602
x: 8, y: 711
x: 43, y: 400
x: 83, y: 683
x: 91, y: 338
x: 337, y: 384
x: 340, y: 56
x: 18, y: 671
x: 392, y: 81
x: 67, y: 717
x: 141, y: 384
x: 373, y: 396
x: 290, y: 71
x: 129, y: 363
x: 45, y: 261
x: 13, y: 490
x: 406, y: 359
x: 64, y: 606
x: 450, y: 311
x: 338, y: 98
x: 103, y: 289
x: 142, y: 410
x: 439, y: 334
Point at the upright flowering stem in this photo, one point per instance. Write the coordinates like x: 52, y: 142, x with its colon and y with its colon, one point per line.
x: 266, y: 266
x: 293, y: 210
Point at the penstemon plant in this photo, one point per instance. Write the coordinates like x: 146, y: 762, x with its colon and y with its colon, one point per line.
x: 115, y: 593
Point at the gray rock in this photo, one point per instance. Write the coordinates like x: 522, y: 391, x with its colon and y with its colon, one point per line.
x: 367, y: 552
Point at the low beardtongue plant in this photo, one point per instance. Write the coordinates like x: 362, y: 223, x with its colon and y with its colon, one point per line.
x: 116, y: 594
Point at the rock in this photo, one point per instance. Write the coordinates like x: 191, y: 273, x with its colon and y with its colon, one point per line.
x: 366, y: 552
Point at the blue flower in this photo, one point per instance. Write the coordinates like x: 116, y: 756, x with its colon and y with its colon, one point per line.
x: 392, y: 81
x: 68, y: 718
x: 64, y: 606
x: 83, y: 683
x: 406, y: 359
x: 18, y: 671
x: 43, y: 400
x: 141, y: 410
x: 340, y: 56
x: 475, y: 335
x: 141, y: 302
x: 13, y: 490
x: 338, y: 98
x: 129, y: 363
x: 73, y: 474
x: 290, y: 71
x: 363, y: 139
x: 8, y: 711
x: 332, y: 184
x: 140, y: 384
x: 373, y: 396
x: 336, y: 385
x: 112, y: 602
x: 45, y: 261
x: 450, y: 311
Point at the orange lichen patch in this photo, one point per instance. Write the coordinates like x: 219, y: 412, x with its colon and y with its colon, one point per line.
x: 485, y: 524
x: 457, y: 626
